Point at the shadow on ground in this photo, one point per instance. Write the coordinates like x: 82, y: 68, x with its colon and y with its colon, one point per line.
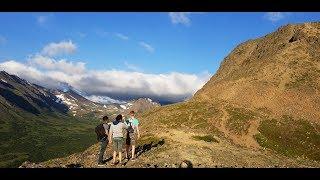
x: 141, y: 149
x: 147, y: 147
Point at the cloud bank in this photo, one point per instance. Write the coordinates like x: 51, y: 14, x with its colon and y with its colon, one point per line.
x: 101, y: 85
x: 117, y: 84
x: 60, y: 65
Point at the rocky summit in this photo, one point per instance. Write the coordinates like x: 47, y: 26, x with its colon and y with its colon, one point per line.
x: 261, y: 109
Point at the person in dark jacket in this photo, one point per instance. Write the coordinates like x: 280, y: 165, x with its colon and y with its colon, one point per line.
x: 102, y: 131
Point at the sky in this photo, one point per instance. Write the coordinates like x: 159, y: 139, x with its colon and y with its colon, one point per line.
x: 166, y: 56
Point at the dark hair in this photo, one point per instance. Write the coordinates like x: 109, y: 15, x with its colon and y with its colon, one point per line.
x: 131, y: 112
x: 105, y: 118
x: 119, y: 117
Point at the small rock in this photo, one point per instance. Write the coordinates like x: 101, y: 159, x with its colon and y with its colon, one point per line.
x: 186, y: 164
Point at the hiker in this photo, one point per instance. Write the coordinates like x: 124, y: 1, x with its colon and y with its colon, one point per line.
x: 102, y: 131
x: 116, y: 136
x: 133, y: 134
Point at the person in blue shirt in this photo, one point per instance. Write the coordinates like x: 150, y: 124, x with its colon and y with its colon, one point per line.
x: 133, y: 134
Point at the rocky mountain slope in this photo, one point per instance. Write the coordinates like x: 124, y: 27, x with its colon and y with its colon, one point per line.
x: 80, y: 106
x: 21, y: 94
x: 34, y: 124
x: 261, y: 109
x: 279, y: 72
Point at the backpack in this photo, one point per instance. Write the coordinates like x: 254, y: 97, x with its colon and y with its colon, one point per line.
x: 101, y: 132
x: 130, y: 128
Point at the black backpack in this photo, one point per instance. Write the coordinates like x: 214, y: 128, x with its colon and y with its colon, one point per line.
x: 101, y: 132
x: 130, y: 128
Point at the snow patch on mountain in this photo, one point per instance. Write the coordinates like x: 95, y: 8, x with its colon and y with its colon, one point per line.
x: 67, y: 101
x: 104, y: 99
x: 123, y: 106
x: 4, y: 80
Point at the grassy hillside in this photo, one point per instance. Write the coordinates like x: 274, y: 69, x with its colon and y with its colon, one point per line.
x: 291, y: 137
x: 24, y: 136
x: 286, y: 135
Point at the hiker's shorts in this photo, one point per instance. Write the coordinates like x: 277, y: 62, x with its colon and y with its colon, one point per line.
x: 117, y: 144
x: 131, y: 139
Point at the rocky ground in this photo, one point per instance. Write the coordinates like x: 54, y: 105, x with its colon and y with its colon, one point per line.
x: 174, y: 148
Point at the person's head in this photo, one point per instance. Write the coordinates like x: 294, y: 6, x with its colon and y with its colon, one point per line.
x: 131, y: 113
x: 119, y: 117
x: 105, y: 119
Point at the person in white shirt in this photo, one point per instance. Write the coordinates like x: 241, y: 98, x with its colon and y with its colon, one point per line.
x: 116, y: 136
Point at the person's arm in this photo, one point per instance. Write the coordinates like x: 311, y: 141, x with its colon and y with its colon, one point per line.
x: 125, y: 126
x: 138, y: 132
x: 110, y: 134
x: 106, y: 130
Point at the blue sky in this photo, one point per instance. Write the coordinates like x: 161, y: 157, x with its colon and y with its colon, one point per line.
x: 150, y: 43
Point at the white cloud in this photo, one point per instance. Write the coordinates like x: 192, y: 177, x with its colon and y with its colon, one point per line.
x: 29, y: 73
x: 61, y: 65
x: 180, y: 18
x: 121, y: 36
x: 115, y: 84
x: 63, y: 47
x: 147, y: 46
x: 275, y: 16
x: 3, y: 40
x: 131, y: 66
